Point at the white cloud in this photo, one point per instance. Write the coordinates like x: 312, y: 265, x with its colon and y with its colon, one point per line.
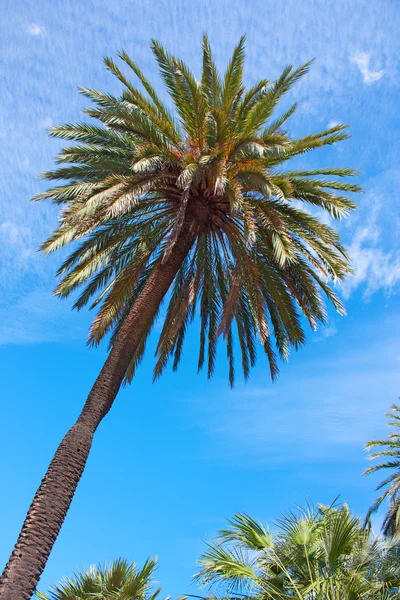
x: 325, y: 333
x: 35, y: 29
x: 371, y: 238
x: 362, y: 60
x: 373, y: 267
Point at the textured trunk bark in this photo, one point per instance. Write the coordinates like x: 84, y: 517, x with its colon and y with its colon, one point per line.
x: 53, y: 498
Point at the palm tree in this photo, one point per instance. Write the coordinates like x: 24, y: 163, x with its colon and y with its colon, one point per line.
x: 197, y: 204
x: 321, y: 554
x: 390, y: 453
x: 117, y: 581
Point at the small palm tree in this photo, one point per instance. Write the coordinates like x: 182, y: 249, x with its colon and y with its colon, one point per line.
x: 197, y: 204
x: 119, y: 580
x: 390, y: 453
x: 321, y: 554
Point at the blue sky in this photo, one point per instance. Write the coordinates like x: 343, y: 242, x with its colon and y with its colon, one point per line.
x: 174, y: 459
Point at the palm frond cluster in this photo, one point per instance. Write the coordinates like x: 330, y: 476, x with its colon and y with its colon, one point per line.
x: 119, y: 580
x: 261, y: 260
x: 389, y: 451
x: 315, y: 554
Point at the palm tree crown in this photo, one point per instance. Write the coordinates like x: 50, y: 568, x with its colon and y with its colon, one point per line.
x: 390, y: 453
x: 119, y: 580
x: 321, y: 554
x: 260, y: 260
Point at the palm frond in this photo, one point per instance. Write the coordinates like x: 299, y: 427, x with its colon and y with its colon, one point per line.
x: 118, y: 580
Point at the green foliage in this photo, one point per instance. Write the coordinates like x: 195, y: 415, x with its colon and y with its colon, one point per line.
x: 389, y: 451
x: 116, y: 581
x: 262, y: 260
x: 315, y: 554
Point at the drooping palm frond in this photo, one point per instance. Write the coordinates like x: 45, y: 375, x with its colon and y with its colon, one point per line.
x: 315, y: 554
x: 118, y: 580
x: 261, y: 260
x: 388, y: 450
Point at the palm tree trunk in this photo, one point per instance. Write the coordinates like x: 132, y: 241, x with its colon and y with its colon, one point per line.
x: 53, y: 498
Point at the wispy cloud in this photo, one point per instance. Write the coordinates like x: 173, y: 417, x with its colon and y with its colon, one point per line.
x: 325, y: 333
x: 363, y: 61
x: 36, y: 29
x: 304, y: 418
x: 23, y: 227
x: 47, y: 122
x: 371, y: 238
x: 16, y: 243
x: 38, y: 317
x: 373, y: 268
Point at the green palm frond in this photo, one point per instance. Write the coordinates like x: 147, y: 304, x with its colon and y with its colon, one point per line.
x: 248, y: 532
x: 219, y: 564
x: 118, y: 580
x: 129, y: 182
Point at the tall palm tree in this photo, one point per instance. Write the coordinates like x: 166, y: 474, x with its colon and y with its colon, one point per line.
x: 321, y: 554
x: 198, y: 204
x: 390, y: 453
x: 119, y: 580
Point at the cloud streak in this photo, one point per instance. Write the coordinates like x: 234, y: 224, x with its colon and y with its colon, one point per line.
x: 374, y: 269
x: 303, y: 419
x: 325, y: 333
x: 363, y: 61
x: 37, y: 317
x: 371, y: 243
x: 36, y: 29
